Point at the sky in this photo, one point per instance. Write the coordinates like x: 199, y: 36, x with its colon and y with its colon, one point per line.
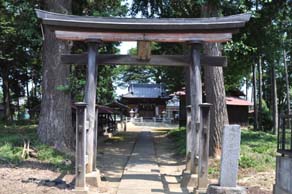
x: 126, y: 46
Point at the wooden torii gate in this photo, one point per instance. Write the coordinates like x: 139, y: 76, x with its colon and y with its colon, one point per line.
x: 95, y: 30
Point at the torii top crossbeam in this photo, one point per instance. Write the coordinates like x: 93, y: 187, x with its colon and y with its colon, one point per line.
x: 81, y: 28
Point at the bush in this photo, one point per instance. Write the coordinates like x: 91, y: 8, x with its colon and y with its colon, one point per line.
x: 267, y: 118
x: 179, y: 136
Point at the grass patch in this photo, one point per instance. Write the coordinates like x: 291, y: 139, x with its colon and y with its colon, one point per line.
x: 258, y: 150
x: 11, y: 145
x: 179, y: 135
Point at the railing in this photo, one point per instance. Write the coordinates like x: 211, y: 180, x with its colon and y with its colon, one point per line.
x: 284, y: 143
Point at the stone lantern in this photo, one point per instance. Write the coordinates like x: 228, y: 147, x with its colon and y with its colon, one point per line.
x: 163, y: 116
x: 132, y: 113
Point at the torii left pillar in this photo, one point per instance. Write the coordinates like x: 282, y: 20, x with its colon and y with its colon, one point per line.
x: 92, y: 173
x: 190, y: 176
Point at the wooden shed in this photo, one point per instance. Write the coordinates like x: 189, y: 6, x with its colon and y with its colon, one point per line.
x: 237, y: 109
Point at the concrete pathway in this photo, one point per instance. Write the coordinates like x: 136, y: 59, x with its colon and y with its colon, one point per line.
x: 142, y: 175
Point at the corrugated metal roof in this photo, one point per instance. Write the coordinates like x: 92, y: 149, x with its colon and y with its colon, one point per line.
x: 237, y: 101
x: 233, y: 101
x: 105, y: 109
x: 146, y: 91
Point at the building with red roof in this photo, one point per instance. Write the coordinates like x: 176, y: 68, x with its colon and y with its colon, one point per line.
x: 237, y: 108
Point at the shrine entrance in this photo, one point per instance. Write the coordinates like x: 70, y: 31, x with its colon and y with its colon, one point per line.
x: 191, y: 31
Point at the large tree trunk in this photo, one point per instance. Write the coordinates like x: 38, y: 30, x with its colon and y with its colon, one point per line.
x: 55, y: 123
x: 215, y: 90
x: 6, y: 92
x: 215, y: 94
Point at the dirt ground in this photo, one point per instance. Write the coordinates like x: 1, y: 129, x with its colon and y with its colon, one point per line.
x: 171, y: 166
x: 35, y: 177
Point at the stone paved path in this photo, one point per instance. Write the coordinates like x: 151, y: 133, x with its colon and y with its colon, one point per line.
x: 142, y: 175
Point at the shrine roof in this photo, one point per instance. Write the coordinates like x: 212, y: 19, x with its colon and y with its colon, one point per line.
x: 146, y: 91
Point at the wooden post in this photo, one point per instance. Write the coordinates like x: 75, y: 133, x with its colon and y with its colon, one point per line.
x: 80, y: 155
x: 204, y: 134
x: 144, y: 50
x: 190, y: 177
x: 188, y: 131
x: 125, y: 123
x: 95, y: 140
x: 195, y: 100
x: 90, y: 99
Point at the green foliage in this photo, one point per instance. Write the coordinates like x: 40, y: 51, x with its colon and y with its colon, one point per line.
x: 63, y: 88
x: 266, y: 35
x: 106, y: 74
x: 267, y: 117
x: 172, y: 77
x: 179, y: 136
x: 20, y: 40
x: 11, y: 145
x: 102, y: 8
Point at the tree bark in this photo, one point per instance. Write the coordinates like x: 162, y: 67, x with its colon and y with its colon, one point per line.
x: 255, y: 108
x: 28, y: 99
x: 260, y: 93
x: 287, y: 82
x: 215, y: 94
x: 6, y: 92
x: 275, y: 101
x: 215, y: 90
x: 55, y: 123
x: 246, y: 89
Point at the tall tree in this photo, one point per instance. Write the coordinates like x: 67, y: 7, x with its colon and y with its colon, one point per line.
x: 6, y: 91
x: 19, y: 51
x: 254, y: 92
x: 260, y: 94
x: 55, y: 123
x: 275, y: 100
x: 214, y: 86
x: 287, y: 81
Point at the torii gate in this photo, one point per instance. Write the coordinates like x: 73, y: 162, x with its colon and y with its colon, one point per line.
x: 95, y: 30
